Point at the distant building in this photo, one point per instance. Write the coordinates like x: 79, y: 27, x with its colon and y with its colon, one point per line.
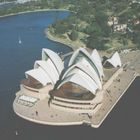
x: 113, y: 20
x: 135, y: 2
x: 136, y: 21
x: 120, y: 28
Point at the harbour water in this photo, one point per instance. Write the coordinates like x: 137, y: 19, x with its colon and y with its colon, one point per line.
x: 16, y: 58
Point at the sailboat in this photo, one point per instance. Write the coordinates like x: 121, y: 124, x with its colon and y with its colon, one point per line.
x: 19, y: 40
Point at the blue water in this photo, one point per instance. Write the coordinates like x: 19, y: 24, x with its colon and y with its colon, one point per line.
x: 15, y: 59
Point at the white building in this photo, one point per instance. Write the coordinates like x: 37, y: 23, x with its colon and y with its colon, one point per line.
x: 113, y: 20
x: 120, y: 28
x: 44, y: 75
x: 76, y: 90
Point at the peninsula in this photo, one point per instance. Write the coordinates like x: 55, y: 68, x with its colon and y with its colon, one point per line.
x: 103, y: 64
x: 84, y: 92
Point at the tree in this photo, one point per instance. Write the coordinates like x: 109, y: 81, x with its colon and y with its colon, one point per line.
x: 95, y: 43
x: 73, y: 35
x: 136, y: 39
x: 57, y: 4
x: 60, y: 27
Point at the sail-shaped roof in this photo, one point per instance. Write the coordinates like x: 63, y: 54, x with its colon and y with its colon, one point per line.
x: 81, y: 54
x: 54, y: 57
x: 115, y: 60
x: 49, y: 68
x: 95, y: 55
x: 40, y: 75
x: 82, y: 80
x: 79, y: 66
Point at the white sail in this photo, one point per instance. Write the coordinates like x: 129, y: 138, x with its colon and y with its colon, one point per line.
x: 19, y: 40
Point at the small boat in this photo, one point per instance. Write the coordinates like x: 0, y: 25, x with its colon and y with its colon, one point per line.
x: 19, y: 40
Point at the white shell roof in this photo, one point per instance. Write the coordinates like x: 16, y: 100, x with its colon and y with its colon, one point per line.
x: 115, y: 60
x: 49, y: 68
x: 95, y: 55
x: 86, y: 72
x: 94, y: 62
x: 91, y: 73
x: 54, y: 57
x: 40, y: 75
x: 81, y: 80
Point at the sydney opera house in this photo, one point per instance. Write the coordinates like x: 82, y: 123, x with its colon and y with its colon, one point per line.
x: 67, y: 91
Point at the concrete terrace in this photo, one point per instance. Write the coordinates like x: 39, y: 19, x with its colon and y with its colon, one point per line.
x: 112, y: 94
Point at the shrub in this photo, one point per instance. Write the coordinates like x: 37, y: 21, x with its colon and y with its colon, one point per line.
x: 73, y: 35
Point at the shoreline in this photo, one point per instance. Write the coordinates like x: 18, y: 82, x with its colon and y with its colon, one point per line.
x: 46, y: 31
x: 48, y: 35
x: 70, y: 44
x: 33, y: 11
